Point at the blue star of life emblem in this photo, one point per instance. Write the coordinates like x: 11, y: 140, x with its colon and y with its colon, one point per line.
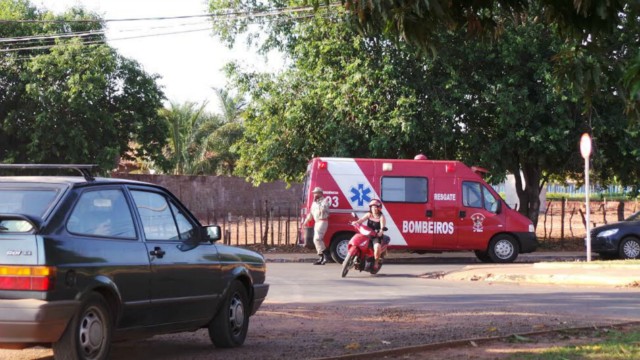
x: 360, y: 194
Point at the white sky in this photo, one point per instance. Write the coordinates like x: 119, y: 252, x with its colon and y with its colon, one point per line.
x: 190, y: 64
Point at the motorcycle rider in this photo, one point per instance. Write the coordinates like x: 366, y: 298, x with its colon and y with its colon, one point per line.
x: 377, y: 222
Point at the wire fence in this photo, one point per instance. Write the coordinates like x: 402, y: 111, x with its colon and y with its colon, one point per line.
x: 277, y: 226
x: 270, y: 226
x: 565, y: 219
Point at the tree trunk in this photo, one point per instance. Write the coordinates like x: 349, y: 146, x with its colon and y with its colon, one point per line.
x: 529, y: 191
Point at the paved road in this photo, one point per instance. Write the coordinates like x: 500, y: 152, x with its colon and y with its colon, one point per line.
x: 300, y: 287
x: 404, y: 285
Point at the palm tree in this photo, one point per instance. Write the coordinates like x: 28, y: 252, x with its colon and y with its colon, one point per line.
x: 189, y: 125
x: 201, y: 142
x: 221, y: 142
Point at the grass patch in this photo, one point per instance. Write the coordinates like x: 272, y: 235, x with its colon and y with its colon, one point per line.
x: 606, y: 345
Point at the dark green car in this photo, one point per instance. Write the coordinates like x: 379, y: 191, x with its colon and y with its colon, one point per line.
x: 84, y: 262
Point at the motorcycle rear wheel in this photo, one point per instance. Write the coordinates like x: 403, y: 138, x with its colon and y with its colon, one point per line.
x: 346, y: 264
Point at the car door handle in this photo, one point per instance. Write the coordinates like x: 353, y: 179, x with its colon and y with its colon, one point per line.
x: 157, y: 252
x: 463, y: 213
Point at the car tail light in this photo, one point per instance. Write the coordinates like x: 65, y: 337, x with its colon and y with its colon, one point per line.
x: 28, y: 278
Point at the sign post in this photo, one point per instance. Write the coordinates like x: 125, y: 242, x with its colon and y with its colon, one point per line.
x: 585, y: 150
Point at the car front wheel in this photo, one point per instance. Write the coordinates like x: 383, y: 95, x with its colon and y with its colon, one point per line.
x: 503, y: 249
x: 88, y: 335
x: 630, y: 249
x: 230, y: 325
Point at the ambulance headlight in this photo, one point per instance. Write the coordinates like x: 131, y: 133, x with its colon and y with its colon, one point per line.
x: 532, y: 228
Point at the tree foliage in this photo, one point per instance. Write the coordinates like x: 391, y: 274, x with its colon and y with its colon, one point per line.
x: 71, y: 102
x: 502, y: 105
x: 202, y: 142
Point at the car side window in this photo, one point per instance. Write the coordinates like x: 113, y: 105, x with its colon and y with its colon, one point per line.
x: 102, y: 213
x: 185, y: 227
x: 471, y: 194
x: 161, y: 219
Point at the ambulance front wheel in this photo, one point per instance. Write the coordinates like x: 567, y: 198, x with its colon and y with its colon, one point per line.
x: 340, y: 246
x: 503, y: 249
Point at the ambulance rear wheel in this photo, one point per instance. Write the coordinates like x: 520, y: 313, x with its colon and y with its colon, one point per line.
x: 503, y: 249
x: 340, y: 246
x: 483, y: 256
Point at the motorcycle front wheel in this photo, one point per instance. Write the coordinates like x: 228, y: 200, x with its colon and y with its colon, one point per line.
x: 346, y: 264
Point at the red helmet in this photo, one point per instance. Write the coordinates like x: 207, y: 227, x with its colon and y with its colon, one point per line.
x: 375, y: 202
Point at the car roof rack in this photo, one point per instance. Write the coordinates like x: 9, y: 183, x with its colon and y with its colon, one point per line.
x: 84, y: 169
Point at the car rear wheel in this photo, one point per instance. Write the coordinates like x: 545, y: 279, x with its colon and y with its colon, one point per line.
x: 503, y: 249
x: 88, y: 335
x: 340, y: 247
x: 630, y: 248
x: 230, y: 325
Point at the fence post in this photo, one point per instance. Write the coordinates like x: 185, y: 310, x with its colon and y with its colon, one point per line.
x: 288, y: 228
x: 265, y: 236
x: 564, y: 202
x: 545, y: 220
x: 279, y: 226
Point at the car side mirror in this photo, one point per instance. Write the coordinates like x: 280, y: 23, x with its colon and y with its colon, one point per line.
x: 213, y: 233
x: 499, y: 207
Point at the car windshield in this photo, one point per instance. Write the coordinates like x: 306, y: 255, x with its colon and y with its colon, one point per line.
x: 633, y: 217
x: 33, y: 202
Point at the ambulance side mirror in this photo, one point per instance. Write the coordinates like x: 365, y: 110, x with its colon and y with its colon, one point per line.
x: 499, y: 207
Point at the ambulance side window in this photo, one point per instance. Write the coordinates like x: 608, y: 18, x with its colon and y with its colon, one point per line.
x: 471, y: 194
x: 490, y: 202
x: 404, y: 189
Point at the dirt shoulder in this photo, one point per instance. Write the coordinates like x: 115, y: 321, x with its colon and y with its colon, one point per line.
x: 510, y: 347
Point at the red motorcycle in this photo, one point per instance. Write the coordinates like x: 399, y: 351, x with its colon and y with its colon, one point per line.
x: 360, y: 254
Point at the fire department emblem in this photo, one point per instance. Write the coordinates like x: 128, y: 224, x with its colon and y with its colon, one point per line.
x: 360, y: 194
x: 478, y: 220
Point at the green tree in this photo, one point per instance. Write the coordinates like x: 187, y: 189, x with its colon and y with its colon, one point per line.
x: 189, y: 125
x: 202, y: 142
x: 495, y: 104
x: 222, y: 143
x: 71, y: 102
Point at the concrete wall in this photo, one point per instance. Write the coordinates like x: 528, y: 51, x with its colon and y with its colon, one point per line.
x: 208, y: 196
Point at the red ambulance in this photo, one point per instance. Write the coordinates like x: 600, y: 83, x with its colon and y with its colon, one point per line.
x: 430, y: 206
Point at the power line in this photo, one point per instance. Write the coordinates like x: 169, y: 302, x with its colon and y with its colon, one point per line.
x: 233, y: 14
x: 50, y: 37
x: 44, y: 47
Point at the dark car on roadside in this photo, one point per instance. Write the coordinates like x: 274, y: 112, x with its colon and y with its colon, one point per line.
x: 619, y: 240
x: 86, y: 261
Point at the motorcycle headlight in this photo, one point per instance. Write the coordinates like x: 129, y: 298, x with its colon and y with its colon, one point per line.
x: 608, y: 233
